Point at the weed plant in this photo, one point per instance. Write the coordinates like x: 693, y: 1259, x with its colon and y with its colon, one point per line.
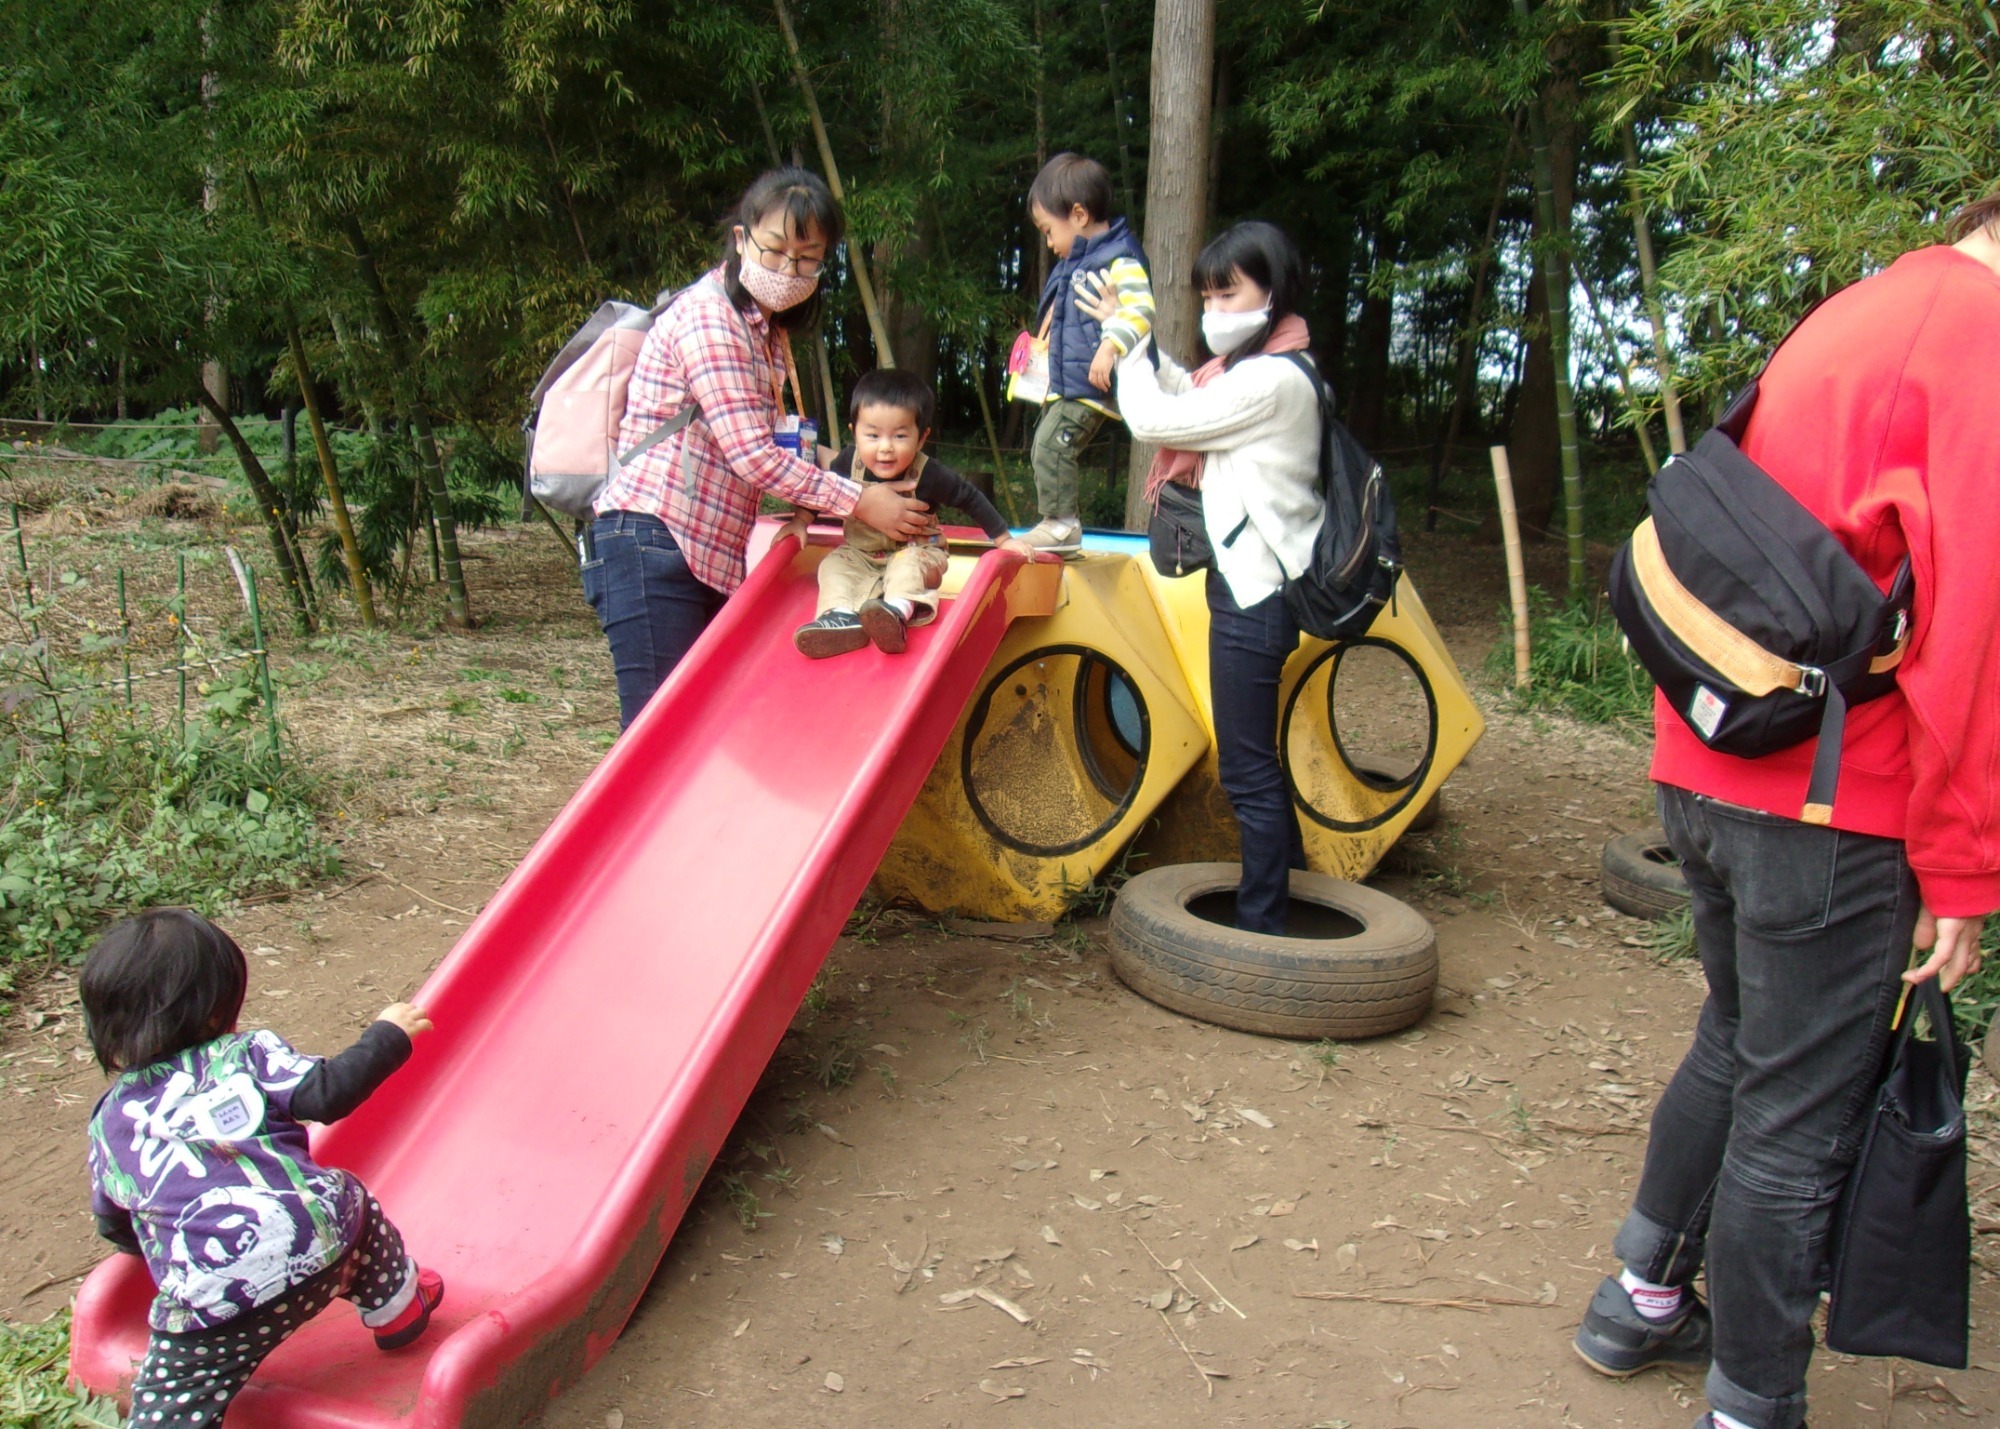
x: 1577, y: 663
x: 34, y: 1381
x: 106, y: 808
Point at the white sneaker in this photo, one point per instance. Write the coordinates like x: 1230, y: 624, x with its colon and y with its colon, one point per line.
x: 1055, y: 534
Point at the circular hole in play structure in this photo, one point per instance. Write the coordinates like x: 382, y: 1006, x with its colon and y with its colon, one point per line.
x: 1054, y: 751
x: 1360, y: 730
x: 1302, y: 919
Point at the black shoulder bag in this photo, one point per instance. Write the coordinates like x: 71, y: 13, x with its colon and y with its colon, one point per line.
x: 1175, y: 536
x: 1756, y: 623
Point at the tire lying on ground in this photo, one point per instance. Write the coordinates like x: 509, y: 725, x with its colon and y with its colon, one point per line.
x: 1642, y: 875
x: 1374, y: 974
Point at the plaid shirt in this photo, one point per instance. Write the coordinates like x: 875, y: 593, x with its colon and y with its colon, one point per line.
x: 704, y: 480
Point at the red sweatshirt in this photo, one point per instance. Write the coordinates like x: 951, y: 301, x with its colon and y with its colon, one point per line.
x: 1882, y: 415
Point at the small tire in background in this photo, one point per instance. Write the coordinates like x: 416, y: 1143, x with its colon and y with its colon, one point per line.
x: 1642, y: 875
x: 1364, y: 964
x: 1991, y: 1053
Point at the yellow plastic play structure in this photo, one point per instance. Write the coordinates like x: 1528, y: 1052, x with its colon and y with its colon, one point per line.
x: 1091, y: 739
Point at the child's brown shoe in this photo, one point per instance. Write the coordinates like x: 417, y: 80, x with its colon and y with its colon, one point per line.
x: 886, y: 626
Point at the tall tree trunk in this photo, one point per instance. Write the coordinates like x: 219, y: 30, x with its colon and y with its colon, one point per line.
x: 329, y: 470
x: 1176, y: 191
x: 1121, y: 102
x: 1368, y: 389
x: 1649, y: 282
x: 403, y: 369
x: 1216, y: 124
x: 1465, y: 381
x: 1551, y: 253
x: 885, y: 353
x: 1040, y: 267
x: 284, y: 539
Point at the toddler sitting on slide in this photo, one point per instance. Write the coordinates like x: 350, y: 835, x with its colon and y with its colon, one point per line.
x: 874, y: 587
x: 199, y: 1163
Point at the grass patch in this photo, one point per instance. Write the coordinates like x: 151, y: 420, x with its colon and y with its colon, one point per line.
x: 34, y: 1375
x: 1577, y: 664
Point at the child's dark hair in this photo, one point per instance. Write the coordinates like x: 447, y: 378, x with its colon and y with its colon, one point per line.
x: 1068, y: 180
x: 157, y: 984
x: 806, y: 203
x: 1263, y: 253
x: 893, y: 387
x: 1980, y: 213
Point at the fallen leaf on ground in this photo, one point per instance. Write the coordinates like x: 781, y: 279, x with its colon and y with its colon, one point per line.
x: 1311, y: 1245
x: 833, y: 1243
x: 614, y: 1419
x: 737, y: 1334
x: 1256, y: 1118
x: 1086, y: 1202
x: 1022, y: 1363
x: 999, y: 1391
x: 835, y: 1383
x: 1004, y: 1305
x: 1244, y: 1242
x: 1049, y: 1235
x: 955, y: 1297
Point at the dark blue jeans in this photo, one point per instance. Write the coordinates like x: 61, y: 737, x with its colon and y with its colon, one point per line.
x: 1803, y: 933
x: 650, y: 604
x: 1247, y: 650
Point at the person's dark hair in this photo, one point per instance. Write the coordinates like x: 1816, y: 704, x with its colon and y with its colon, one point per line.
x: 1263, y: 253
x: 893, y: 387
x: 1068, y: 180
x: 157, y: 984
x: 1980, y: 213
x: 806, y: 202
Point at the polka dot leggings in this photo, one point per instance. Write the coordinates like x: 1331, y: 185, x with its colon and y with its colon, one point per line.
x: 187, y: 1380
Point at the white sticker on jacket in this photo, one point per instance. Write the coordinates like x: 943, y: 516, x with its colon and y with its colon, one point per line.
x: 1706, y: 710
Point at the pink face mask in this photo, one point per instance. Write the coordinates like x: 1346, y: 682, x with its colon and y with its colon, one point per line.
x: 776, y: 291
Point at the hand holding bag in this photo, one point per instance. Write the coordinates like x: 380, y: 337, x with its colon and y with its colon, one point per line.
x: 1902, y: 1248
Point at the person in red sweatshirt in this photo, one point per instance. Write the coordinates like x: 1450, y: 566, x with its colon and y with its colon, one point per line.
x: 1880, y: 416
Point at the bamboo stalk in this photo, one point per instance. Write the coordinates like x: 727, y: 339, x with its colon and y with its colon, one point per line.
x: 125, y: 635
x: 1624, y: 368
x: 1649, y: 283
x: 1549, y: 261
x: 1517, y: 577
x: 283, y: 533
x: 884, y: 354
x: 180, y: 642
x: 1469, y: 340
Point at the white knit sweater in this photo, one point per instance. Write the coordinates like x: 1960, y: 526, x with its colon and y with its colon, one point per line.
x: 1258, y: 423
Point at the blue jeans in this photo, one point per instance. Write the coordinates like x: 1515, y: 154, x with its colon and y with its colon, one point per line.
x: 650, y: 604
x: 1803, y: 933
x: 1247, y: 650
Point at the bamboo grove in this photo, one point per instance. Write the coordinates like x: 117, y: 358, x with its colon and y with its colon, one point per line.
x: 1568, y: 226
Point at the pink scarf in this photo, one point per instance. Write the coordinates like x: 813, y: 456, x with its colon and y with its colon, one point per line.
x: 1173, y: 464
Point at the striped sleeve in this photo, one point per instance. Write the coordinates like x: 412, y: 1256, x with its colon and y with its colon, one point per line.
x: 1134, y: 318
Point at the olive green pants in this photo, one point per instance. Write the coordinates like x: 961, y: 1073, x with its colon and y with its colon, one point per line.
x: 1066, y: 427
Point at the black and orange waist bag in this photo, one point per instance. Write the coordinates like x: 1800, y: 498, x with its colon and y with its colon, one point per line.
x: 1759, y: 627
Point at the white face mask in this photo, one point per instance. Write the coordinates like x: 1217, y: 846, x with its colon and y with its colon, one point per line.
x: 776, y: 291
x: 1226, y: 332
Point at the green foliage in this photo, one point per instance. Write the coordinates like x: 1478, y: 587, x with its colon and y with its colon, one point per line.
x: 109, y: 808
x: 34, y: 1381
x: 1577, y: 663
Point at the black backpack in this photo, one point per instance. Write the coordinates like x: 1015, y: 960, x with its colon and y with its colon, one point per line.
x: 1754, y: 620
x: 1356, y: 558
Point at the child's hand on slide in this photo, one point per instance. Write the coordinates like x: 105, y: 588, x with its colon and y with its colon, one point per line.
x: 410, y: 1018
x: 1095, y: 297
x: 1019, y: 546
x: 798, y: 525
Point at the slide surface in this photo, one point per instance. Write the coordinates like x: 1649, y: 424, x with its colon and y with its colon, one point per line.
x: 604, y: 1019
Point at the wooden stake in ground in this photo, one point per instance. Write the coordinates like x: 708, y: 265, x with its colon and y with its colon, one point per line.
x: 1517, y: 577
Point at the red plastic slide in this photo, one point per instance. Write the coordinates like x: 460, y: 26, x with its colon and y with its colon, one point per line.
x: 603, y: 1021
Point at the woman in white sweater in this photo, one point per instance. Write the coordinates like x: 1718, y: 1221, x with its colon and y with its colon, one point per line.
x: 1244, y: 429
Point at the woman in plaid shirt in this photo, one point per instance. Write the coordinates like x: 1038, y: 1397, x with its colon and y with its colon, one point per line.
x: 671, y: 527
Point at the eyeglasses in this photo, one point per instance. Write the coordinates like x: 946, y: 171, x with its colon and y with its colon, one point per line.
x: 778, y: 261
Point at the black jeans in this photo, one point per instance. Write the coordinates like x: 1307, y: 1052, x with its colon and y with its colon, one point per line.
x: 650, y: 604
x: 1247, y: 650
x: 1803, y: 935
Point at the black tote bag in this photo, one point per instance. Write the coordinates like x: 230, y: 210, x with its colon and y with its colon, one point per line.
x: 1176, y: 537
x: 1902, y: 1250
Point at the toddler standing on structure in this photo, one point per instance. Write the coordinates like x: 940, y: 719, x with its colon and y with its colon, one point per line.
x: 875, y: 587
x: 1070, y: 202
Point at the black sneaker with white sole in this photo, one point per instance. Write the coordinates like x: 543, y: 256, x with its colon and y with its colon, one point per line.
x: 1615, y: 1339
x: 838, y: 632
x: 887, y: 626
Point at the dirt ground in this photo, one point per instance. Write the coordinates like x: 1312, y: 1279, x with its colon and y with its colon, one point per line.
x: 1198, y: 1227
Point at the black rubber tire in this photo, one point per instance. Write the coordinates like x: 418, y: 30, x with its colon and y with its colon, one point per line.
x: 1642, y: 876
x: 1379, y: 980
x: 1425, y: 818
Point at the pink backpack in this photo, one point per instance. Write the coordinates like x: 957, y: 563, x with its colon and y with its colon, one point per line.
x: 576, y: 409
